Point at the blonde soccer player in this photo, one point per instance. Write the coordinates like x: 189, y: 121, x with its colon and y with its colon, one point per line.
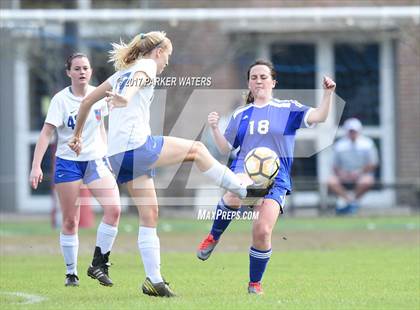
x: 134, y: 153
x: 90, y: 167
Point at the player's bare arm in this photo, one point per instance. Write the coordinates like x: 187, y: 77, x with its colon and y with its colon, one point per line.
x: 36, y: 175
x: 99, y: 93
x: 219, y: 138
x: 320, y: 114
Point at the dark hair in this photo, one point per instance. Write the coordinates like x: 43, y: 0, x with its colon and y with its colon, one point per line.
x: 250, y: 97
x: 73, y: 56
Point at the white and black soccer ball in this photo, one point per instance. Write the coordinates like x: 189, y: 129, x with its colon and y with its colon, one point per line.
x: 262, y: 165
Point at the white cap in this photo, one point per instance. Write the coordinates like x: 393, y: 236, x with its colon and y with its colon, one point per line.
x: 352, y: 124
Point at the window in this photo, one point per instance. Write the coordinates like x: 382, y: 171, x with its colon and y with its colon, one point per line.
x: 357, y: 77
x: 39, y: 99
x: 304, y: 169
x: 101, y: 4
x: 102, y: 69
x: 378, y: 172
x: 47, y: 76
x: 47, y: 4
x: 295, y: 67
x: 47, y: 167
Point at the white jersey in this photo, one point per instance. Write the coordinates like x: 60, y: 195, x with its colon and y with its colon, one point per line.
x: 62, y: 113
x: 129, y: 126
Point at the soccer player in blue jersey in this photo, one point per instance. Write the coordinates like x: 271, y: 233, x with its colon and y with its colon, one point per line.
x: 263, y: 122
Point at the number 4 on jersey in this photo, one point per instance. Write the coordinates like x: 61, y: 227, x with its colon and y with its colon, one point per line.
x: 71, y: 122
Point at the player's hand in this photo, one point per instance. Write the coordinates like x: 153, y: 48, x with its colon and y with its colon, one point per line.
x: 75, y: 144
x: 36, y: 177
x: 115, y: 100
x: 328, y: 84
x: 213, y: 119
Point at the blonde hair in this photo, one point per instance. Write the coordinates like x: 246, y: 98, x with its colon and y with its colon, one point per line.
x: 123, y: 55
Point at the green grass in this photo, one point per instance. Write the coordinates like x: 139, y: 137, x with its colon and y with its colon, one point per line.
x: 357, y: 278
x: 129, y: 223
x: 379, y: 275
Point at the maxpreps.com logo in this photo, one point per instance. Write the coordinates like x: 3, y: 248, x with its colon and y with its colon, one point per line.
x: 226, y: 215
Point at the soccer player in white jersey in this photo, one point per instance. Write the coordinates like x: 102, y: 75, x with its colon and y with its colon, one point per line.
x: 262, y: 122
x: 89, y: 167
x: 134, y: 153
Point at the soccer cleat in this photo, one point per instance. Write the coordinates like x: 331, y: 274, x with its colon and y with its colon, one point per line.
x: 256, y: 192
x: 206, y: 247
x: 99, y: 268
x: 160, y: 289
x: 342, y: 211
x: 255, y: 288
x: 350, y: 208
x: 101, y: 274
x: 71, y: 280
x: 353, y: 207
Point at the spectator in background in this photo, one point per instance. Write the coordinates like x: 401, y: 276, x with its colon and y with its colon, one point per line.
x: 355, y: 161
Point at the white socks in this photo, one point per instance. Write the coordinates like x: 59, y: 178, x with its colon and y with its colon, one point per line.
x: 149, y: 247
x: 105, y: 237
x: 225, y: 178
x: 69, y: 247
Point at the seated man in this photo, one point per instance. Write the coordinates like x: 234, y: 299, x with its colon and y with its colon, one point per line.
x: 355, y: 161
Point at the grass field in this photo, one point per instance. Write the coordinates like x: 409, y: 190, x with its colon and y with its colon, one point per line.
x: 317, y: 263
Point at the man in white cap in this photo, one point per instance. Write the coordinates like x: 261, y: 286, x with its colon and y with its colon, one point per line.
x: 355, y: 161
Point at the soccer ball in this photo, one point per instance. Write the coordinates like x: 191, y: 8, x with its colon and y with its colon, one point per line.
x: 262, y: 165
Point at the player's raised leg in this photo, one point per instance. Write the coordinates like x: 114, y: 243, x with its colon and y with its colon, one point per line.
x: 106, y: 192
x: 68, y: 193
x: 142, y: 191
x: 176, y: 150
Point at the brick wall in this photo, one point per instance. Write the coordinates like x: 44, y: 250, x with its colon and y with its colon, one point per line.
x: 277, y: 3
x: 408, y: 106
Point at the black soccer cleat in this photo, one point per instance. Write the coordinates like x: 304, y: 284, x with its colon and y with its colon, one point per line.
x: 254, y: 191
x: 99, y: 268
x: 160, y: 289
x: 71, y: 280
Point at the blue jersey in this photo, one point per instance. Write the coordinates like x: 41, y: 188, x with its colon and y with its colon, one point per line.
x: 272, y: 125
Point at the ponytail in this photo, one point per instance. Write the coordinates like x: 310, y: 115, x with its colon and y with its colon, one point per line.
x: 249, y: 98
x: 124, y: 55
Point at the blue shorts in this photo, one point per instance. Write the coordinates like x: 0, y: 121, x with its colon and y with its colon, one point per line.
x: 134, y: 163
x: 277, y: 191
x: 72, y: 170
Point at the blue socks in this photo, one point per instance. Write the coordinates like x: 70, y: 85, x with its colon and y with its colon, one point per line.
x: 223, y: 217
x: 258, y: 260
